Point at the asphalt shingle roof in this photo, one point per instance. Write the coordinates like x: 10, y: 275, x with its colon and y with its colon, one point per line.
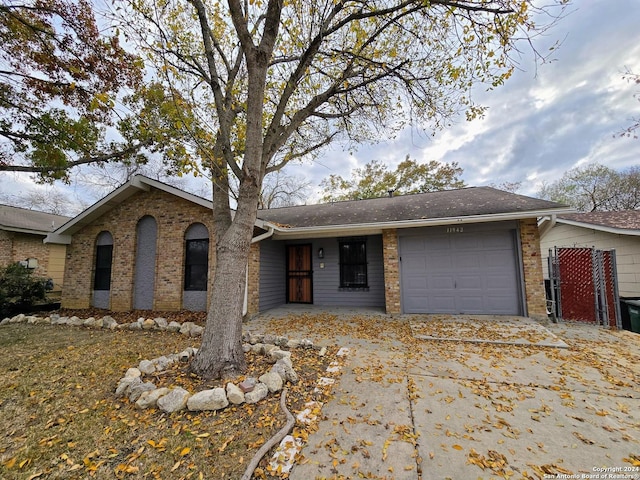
x: 21, y: 219
x: 625, y: 219
x: 445, y: 204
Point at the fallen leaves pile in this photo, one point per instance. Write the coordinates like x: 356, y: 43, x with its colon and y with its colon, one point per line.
x: 60, y: 419
x: 487, y: 405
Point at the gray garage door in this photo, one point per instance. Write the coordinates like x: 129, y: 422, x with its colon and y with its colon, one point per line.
x: 460, y: 270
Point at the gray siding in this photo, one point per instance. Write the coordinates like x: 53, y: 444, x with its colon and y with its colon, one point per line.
x: 145, y: 272
x: 101, y: 298
x: 273, y: 284
x: 326, y: 281
x: 326, y: 275
x: 194, y: 301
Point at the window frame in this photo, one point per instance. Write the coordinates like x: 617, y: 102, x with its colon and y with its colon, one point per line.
x: 189, y: 284
x: 355, y: 265
x: 102, y: 273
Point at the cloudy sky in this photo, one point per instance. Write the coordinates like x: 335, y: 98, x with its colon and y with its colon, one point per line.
x: 541, y: 123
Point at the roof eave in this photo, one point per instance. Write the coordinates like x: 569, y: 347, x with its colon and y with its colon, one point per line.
x: 138, y: 183
x: 601, y: 228
x: 24, y: 230
x: 377, y: 227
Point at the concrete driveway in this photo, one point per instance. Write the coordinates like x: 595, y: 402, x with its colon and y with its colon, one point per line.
x: 439, y: 397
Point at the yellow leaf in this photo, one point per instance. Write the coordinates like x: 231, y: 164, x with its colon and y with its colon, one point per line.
x: 457, y: 447
x: 177, y: 464
x: 10, y: 463
x: 185, y: 451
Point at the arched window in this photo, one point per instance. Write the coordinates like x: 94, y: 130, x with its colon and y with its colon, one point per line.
x: 196, y: 265
x: 104, y: 257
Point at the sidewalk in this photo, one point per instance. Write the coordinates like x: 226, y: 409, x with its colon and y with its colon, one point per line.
x: 410, y: 408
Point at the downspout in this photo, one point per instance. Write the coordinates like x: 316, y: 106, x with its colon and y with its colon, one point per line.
x: 259, y: 238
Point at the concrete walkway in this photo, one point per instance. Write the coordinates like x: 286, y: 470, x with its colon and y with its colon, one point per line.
x: 411, y: 408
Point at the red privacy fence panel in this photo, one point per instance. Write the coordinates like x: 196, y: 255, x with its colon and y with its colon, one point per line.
x: 585, y: 285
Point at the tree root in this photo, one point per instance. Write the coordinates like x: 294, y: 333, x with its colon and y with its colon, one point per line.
x: 253, y: 464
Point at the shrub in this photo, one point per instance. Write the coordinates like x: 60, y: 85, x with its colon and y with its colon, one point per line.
x: 19, y: 289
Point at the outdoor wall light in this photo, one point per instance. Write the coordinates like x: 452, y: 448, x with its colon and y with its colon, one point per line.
x: 321, y: 252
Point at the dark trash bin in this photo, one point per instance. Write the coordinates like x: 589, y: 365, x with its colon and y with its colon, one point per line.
x: 633, y: 306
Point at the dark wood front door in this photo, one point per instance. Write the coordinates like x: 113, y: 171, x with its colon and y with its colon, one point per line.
x: 299, y: 274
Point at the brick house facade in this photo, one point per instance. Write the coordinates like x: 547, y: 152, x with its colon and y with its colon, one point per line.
x: 173, y: 216
x: 22, y: 233
x: 323, y: 239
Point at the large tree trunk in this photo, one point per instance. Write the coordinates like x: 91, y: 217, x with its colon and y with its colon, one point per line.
x: 220, y: 354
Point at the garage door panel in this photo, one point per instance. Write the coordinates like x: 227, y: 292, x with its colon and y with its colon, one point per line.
x: 470, y: 272
x: 467, y: 261
x: 465, y: 242
x: 437, y: 263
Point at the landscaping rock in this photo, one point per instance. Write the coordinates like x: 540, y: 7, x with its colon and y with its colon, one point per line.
x: 248, y: 384
x: 173, y: 401
x: 290, y: 374
x: 196, y: 331
x: 125, y: 384
x: 257, y: 348
x: 186, y: 354
x: 150, y: 398
x: 280, y: 370
x: 234, y: 394
x: 89, y: 322
x: 214, y: 399
x: 185, y: 329
x: 273, y: 381
x: 75, y: 321
x: 5, y: 321
x: 293, y: 343
x: 161, y: 323
x: 173, y: 327
x: 136, y: 390
x: 148, y: 324
x: 161, y: 363
x: 277, y: 354
x: 109, y: 322
x: 259, y: 392
x: 17, y: 318
x: 135, y: 326
x: 246, y: 347
x: 306, y: 343
x: 285, y: 361
x: 147, y: 367
x: 133, y: 372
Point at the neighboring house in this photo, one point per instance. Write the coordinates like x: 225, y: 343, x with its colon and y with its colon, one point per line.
x: 22, y: 233
x: 604, y: 231
x: 474, y: 250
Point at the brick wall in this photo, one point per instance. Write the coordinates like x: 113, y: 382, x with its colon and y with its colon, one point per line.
x: 16, y: 246
x: 532, y: 267
x: 173, y: 216
x: 391, y: 271
x: 6, y: 245
x: 253, y: 283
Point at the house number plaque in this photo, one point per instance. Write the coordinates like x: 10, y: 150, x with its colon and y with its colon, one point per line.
x: 455, y: 229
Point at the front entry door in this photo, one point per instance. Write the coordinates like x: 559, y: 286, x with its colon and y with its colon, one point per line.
x: 299, y: 274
